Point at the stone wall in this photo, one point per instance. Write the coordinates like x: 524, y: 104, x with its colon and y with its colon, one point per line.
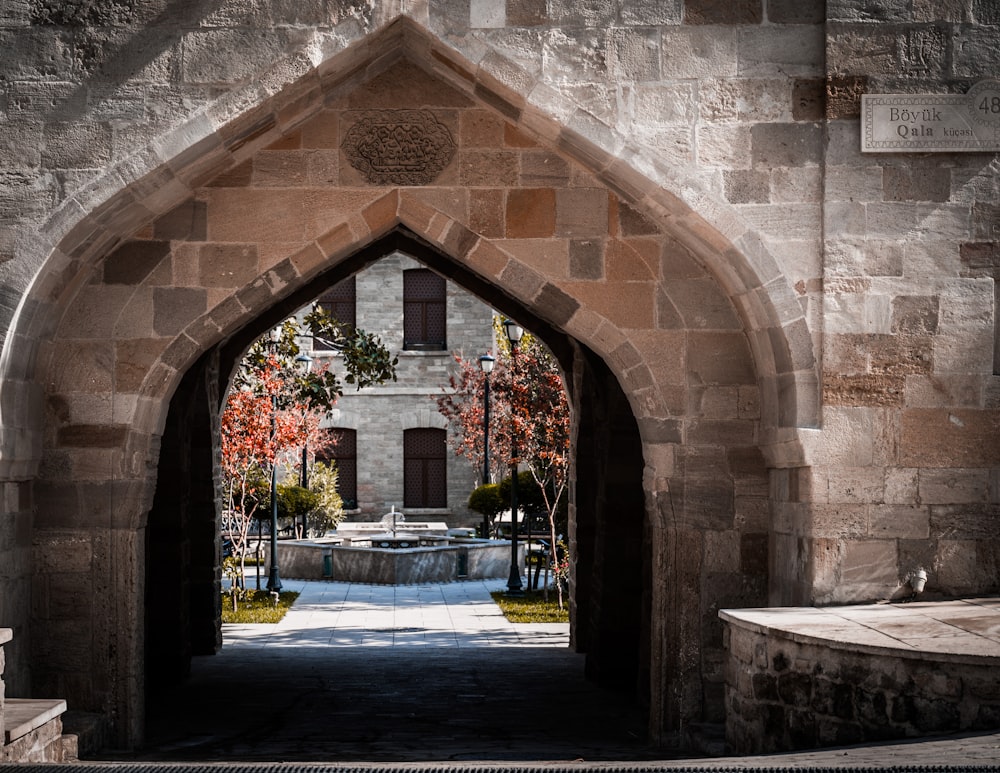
x: 904, y: 474
x: 804, y: 336
x: 786, y: 693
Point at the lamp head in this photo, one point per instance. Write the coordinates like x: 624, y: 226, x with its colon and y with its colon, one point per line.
x: 486, y: 363
x: 303, y: 362
x: 513, y: 330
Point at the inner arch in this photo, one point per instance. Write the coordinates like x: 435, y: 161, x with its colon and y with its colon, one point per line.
x: 610, y: 608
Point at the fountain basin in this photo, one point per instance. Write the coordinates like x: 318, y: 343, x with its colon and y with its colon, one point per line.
x: 460, y: 559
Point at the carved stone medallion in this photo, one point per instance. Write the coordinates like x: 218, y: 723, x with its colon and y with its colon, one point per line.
x: 399, y: 147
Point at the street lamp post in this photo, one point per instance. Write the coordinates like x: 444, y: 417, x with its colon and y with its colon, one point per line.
x: 304, y: 363
x: 486, y: 363
x: 274, y: 577
x: 514, y: 587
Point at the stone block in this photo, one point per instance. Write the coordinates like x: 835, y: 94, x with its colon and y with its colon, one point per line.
x: 791, y: 222
x: 870, y: 563
x: 207, y: 55
x: 549, y: 257
x: 591, y: 13
x: 854, y: 485
x: 747, y: 186
x: 635, y: 260
x: 719, y: 358
x: 530, y: 212
x: 699, y: 52
x: 586, y: 259
x: 949, y: 438
x: 773, y: 51
x: 176, y: 307
x: 958, y: 353
x: 864, y: 390
x: 954, y: 486
x: 974, y: 51
x: 944, y: 391
x: 797, y: 184
x: 796, y: 11
x: 727, y: 147
x: 526, y: 13
x: 572, y: 55
x: 134, y: 261
x: 76, y: 146
x: 808, y: 99
x: 484, y: 14
x: 788, y: 144
x: 843, y: 96
x: 915, y: 314
x: 486, y: 212
x: 185, y: 222
x: 957, y: 568
x: 722, y: 551
x: 96, y: 310
x: 581, y: 212
x: 478, y: 168
x: 722, y: 12
x: 86, y: 366
x: 702, y: 305
x: 633, y: 54
x: 909, y: 183
x: 227, y: 265
x: 542, y: 168
x: 980, y: 258
x: 281, y: 168
x: 754, y: 553
x: 853, y: 184
x: 905, y: 522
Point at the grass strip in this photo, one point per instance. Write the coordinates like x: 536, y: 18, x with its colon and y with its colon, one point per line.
x: 258, y: 607
x: 531, y: 608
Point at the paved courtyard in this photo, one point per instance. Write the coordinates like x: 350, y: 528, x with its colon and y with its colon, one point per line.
x: 434, y: 673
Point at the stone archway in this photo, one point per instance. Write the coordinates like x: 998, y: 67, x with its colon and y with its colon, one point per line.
x: 670, y: 313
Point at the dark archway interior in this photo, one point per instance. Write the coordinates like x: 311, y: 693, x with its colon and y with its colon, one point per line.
x: 610, y: 589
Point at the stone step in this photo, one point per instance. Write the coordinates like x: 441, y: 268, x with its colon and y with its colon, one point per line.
x: 22, y: 715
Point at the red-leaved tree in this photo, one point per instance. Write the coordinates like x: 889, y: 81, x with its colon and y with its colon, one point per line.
x: 258, y: 429
x: 529, y: 412
x: 275, y: 407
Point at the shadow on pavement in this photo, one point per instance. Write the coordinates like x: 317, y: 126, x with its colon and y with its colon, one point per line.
x: 392, y: 704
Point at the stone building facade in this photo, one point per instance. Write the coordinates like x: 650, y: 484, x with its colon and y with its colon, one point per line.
x: 379, y: 416
x: 780, y: 351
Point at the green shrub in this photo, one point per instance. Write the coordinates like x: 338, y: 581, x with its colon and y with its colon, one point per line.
x: 486, y: 500
x: 295, y: 501
x: 529, y: 495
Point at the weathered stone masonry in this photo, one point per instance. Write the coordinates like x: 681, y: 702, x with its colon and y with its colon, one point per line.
x: 780, y: 351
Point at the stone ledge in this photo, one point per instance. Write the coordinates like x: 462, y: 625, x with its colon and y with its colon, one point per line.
x: 22, y: 715
x: 958, y: 631
x: 799, y: 678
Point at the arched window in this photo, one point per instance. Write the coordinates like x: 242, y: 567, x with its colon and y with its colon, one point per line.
x: 343, y: 451
x: 423, y: 310
x: 425, y: 481
x: 340, y: 302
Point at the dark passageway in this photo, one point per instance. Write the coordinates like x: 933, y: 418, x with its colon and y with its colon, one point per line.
x: 393, y: 704
x: 393, y: 674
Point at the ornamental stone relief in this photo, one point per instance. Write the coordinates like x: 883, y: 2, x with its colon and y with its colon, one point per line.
x: 399, y: 147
